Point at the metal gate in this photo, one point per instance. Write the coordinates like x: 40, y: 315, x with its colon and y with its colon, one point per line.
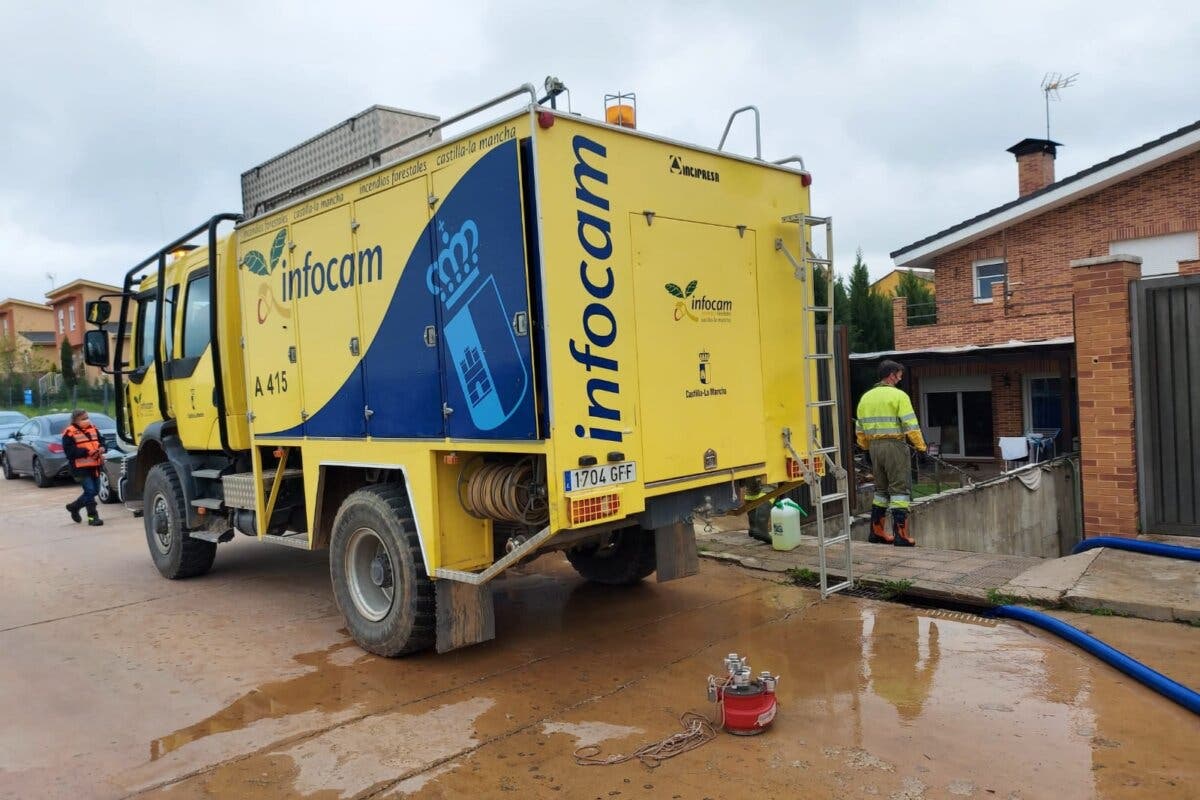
x: 1166, y: 346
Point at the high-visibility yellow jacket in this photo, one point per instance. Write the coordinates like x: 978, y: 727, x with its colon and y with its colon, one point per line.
x: 885, y: 412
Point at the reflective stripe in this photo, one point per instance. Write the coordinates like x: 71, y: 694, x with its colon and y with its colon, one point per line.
x: 870, y: 429
x: 899, y: 501
x: 877, y: 419
x: 880, y: 500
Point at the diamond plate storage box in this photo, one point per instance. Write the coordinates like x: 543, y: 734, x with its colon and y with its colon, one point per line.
x: 334, y: 155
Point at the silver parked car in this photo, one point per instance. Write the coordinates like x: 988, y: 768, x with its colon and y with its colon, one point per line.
x: 10, y: 422
x: 36, y: 447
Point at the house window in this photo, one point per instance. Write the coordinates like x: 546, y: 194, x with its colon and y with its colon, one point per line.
x: 5, y: 326
x: 961, y: 410
x: 61, y: 329
x: 987, y: 274
x: 71, y: 314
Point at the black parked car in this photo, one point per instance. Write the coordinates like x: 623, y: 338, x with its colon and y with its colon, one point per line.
x: 36, y: 448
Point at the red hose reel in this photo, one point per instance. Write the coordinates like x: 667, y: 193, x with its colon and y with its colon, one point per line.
x: 747, y: 703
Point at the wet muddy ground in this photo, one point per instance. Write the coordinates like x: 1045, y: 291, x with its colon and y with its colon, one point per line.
x: 115, y: 683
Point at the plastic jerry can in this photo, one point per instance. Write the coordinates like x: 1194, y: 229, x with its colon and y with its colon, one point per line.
x: 785, y: 525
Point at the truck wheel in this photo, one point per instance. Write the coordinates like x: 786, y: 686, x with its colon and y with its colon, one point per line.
x: 628, y: 557
x: 39, y: 475
x: 378, y: 574
x: 175, y: 553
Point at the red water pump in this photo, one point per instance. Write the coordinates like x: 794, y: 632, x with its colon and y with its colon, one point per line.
x: 747, y: 703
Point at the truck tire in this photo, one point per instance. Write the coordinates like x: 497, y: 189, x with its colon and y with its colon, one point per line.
x: 40, y: 477
x: 175, y: 553
x: 378, y: 574
x: 628, y: 557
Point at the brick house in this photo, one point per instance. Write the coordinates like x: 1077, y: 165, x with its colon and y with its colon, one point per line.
x: 30, y: 328
x: 67, y: 304
x: 997, y: 355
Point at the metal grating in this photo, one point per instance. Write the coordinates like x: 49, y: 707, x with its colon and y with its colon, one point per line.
x: 337, y: 153
x: 239, y: 489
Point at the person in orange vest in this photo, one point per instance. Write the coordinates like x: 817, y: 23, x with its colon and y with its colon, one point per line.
x: 81, y: 442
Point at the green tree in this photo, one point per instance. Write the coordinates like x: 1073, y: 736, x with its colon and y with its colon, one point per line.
x: 841, y: 308
x: 870, y: 315
x: 922, y: 305
x: 67, y: 359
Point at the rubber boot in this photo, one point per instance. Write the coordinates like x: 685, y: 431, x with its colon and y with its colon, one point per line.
x: 73, y: 510
x: 94, y: 517
x: 900, y: 528
x: 879, y: 534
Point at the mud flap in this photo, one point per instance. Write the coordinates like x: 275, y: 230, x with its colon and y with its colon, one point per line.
x: 675, y: 551
x: 465, y: 615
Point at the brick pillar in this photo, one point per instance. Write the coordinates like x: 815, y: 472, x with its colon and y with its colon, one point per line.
x: 899, y: 322
x: 1189, y: 267
x: 1104, y: 361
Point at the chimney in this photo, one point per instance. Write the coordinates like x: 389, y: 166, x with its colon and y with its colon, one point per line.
x: 1035, y: 164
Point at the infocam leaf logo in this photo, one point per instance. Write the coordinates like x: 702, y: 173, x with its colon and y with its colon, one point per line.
x: 256, y: 263
x: 681, y: 305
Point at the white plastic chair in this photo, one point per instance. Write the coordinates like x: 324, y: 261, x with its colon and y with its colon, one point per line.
x: 1013, y: 448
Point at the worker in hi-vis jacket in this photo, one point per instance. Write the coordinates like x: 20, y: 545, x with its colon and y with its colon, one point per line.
x: 885, y: 421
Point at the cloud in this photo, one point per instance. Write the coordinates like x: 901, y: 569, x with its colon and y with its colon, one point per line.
x: 128, y: 122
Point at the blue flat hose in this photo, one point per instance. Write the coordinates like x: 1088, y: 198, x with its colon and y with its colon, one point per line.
x: 1139, y: 546
x: 1188, y: 698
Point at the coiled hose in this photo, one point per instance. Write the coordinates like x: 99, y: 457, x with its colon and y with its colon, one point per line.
x: 1140, y: 546
x: 1188, y: 698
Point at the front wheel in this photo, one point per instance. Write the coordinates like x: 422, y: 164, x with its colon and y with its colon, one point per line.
x: 8, y: 470
x: 175, y: 553
x: 628, y: 556
x: 40, y: 477
x: 378, y: 574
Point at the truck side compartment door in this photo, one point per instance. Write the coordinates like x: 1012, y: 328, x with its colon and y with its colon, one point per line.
x: 329, y: 337
x: 480, y: 279
x: 269, y: 335
x: 393, y: 245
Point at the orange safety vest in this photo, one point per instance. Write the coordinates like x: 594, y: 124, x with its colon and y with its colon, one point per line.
x: 88, y: 441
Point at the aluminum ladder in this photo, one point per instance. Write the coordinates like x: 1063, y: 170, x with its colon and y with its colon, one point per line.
x: 810, y: 268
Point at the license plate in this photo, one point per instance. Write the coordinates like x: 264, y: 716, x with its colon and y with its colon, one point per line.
x: 575, y: 480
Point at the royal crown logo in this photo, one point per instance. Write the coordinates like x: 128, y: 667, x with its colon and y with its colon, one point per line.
x: 457, y: 264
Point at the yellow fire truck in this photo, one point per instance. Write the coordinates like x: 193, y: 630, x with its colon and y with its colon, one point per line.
x: 441, y: 358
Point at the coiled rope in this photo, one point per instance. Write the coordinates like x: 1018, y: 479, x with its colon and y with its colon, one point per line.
x: 698, y: 730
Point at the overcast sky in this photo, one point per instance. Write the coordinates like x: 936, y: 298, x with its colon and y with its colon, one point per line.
x: 124, y: 124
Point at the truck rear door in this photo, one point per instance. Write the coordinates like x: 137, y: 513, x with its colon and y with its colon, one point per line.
x: 698, y: 347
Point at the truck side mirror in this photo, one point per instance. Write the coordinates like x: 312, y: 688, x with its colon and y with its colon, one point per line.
x: 95, y: 348
x: 97, y: 312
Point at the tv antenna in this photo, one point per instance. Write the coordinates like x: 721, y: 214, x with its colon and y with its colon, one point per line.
x: 1052, y: 83
x: 50, y: 277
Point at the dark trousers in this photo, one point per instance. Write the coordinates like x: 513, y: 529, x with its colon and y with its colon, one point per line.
x: 90, y: 481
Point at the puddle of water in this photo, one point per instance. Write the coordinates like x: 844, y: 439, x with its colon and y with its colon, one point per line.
x: 320, y: 690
